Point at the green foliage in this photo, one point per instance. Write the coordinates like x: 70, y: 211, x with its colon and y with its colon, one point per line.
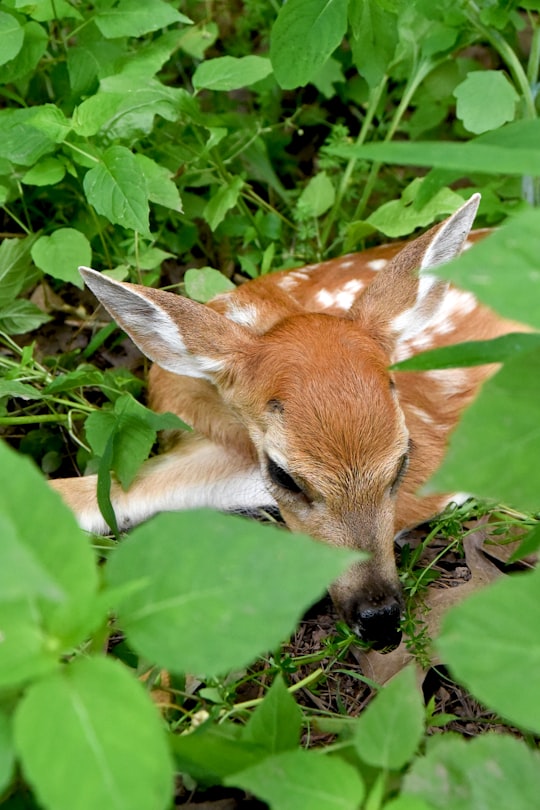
x: 132, y: 133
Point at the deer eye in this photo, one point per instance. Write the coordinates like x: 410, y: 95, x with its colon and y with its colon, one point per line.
x: 402, y: 469
x: 281, y: 478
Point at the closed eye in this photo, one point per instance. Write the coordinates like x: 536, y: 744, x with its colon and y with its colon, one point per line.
x: 280, y: 477
x: 402, y: 469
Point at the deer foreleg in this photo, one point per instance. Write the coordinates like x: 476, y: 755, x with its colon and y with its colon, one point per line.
x: 197, y: 473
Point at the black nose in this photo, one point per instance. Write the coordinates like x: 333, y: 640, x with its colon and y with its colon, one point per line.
x: 377, y: 622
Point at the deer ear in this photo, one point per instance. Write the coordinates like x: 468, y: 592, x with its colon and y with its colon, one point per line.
x: 178, y: 334
x: 403, y: 297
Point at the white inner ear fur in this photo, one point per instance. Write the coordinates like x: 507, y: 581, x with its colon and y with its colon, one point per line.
x: 149, y: 326
x: 446, y: 244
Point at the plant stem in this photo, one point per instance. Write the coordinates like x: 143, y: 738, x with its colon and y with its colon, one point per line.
x: 39, y: 418
x: 374, y: 100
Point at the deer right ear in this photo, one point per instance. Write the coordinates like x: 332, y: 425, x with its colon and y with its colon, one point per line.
x: 178, y: 334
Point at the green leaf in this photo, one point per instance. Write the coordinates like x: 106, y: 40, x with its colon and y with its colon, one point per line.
x: 117, y: 189
x: 62, y: 253
x: 529, y: 545
x: 491, y: 639
x: 485, y: 100
x: 389, y: 731
x: 89, y: 736
x: 7, y: 752
x: 401, y: 217
x: 231, y: 73
x: 204, y: 283
x: 14, y: 388
x: 161, y: 187
x: 514, y: 149
x: 34, y: 46
x: 222, y: 201
x: 484, y: 269
x: 133, y: 429
x: 404, y: 802
x: 174, y: 558
x: 12, y: 37
x: 373, y: 39
x: 46, y: 10
x: 21, y: 316
x: 304, y: 35
x: 473, y: 353
x: 20, y: 141
x: 211, y: 753
x: 318, y: 196
x: 59, y: 575
x: 85, y: 375
x: 302, y: 779
x: 277, y: 723
x: 16, y: 270
x: 130, y: 18
x: 489, y: 772
x: 494, y: 450
x: 46, y: 172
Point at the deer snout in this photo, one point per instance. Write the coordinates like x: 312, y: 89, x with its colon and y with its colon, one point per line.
x: 376, y: 619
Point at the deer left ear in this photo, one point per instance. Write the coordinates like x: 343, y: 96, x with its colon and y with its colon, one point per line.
x: 403, y: 297
x: 178, y: 334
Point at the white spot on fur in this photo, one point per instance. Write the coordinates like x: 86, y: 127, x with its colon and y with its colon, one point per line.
x: 244, y: 314
x: 424, y: 416
x: 450, y: 381
x: 342, y: 297
x: 345, y: 263
x: 287, y: 283
x: 377, y: 264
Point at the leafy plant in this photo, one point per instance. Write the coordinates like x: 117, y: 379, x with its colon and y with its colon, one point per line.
x: 134, y: 133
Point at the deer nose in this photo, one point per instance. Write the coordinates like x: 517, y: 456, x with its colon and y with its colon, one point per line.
x: 377, y: 622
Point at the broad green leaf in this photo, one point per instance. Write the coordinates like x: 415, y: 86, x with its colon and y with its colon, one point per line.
x: 389, y: 731
x: 503, y: 269
x: 373, y: 38
x: 16, y: 271
x: 213, y: 752
x: 197, y: 39
x: 117, y: 189
x: 60, y: 254
x: 232, y: 593
x: 126, y: 112
x: 20, y: 141
x: 222, y: 201
x: 162, y: 189
x: 276, y: 724
x: 485, y: 100
x: 21, y: 316
x: 130, y: 18
x: 402, y: 217
x: 89, y: 737
x: 514, y: 149
x: 46, y: 172
x: 489, y: 772
x: 494, y: 450
x: 473, y: 353
x: 7, y: 752
x: 11, y: 36
x: 27, y: 651
x: 22, y: 572
x: 46, y: 10
x: 133, y: 429
x: 404, y: 802
x: 14, y: 388
x: 230, y: 72
x: 48, y: 537
x: 34, y: 46
x: 302, y: 779
x: 318, y: 196
x: 204, y: 283
x: 82, y: 376
x: 492, y: 640
x: 304, y: 35
x: 529, y: 545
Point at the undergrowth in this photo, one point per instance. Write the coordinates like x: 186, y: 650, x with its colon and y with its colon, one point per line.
x: 193, y: 146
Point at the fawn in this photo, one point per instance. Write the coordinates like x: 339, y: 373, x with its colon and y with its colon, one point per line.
x: 286, y: 383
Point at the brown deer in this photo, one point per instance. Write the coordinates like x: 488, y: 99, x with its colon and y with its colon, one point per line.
x: 286, y: 383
